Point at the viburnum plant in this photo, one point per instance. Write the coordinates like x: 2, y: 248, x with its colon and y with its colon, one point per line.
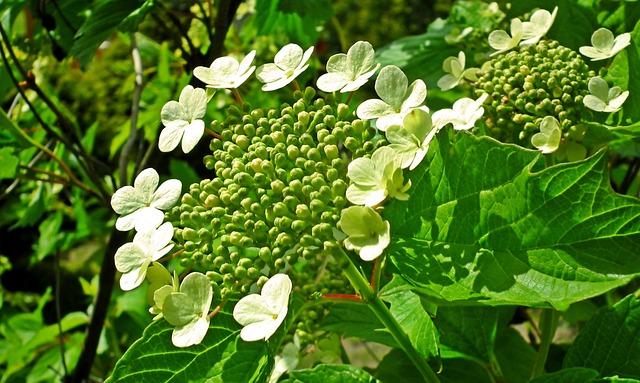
x: 388, y: 221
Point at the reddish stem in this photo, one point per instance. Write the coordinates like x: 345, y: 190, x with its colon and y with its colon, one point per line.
x: 352, y: 297
x: 212, y: 133
x: 217, y: 309
x: 168, y: 257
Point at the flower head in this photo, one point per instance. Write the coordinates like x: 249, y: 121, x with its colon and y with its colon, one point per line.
x: 140, y: 205
x: 262, y: 314
x: 348, y: 72
x: 605, y: 45
x: 502, y: 42
x: 226, y: 72
x: 548, y: 140
x: 366, y: 233
x: 397, y: 98
x: 463, y: 115
x: 182, y: 120
x: 376, y: 178
x: 289, y: 62
x: 411, y: 139
x: 603, y: 99
x: 537, y: 26
x: 188, y: 310
x: 133, y: 258
x: 454, y: 66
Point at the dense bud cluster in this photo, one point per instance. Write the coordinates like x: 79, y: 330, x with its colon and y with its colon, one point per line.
x: 543, y: 79
x: 280, y: 188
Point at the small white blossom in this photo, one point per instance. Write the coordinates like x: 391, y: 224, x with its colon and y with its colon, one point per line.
x: 188, y: 310
x: 397, y: 98
x: 502, y: 42
x: 456, y: 35
x: 348, y: 72
x: 366, y: 233
x: 464, y: 114
x: 141, y: 205
x: 454, y: 67
x: 133, y: 258
x: 537, y: 26
x: 548, y: 140
x: 262, y: 314
x: 288, y: 63
x: 411, y: 139
x: 605, y: 45
x: 377, y: 178
x: 226, y: 72
x: 287, y: 361
x: 182, y: 120
x: 603, y: 99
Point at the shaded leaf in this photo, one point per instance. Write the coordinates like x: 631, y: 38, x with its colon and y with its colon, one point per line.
x: 326, y: 373
x: 9, y: 163
x: 357, y: 320
x: 610, y: 342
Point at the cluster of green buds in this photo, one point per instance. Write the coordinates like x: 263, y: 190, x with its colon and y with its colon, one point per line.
x: 540, y: 92
x: 281, y: 179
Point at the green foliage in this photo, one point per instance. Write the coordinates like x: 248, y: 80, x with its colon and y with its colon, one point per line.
x: 492, y: 227
x: 221, y: 357
x: 325, y: 373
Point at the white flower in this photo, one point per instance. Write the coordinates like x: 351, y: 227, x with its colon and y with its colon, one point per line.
x: 133, y: 258
x: 226, y: 72
x: 454, y: 67
x: 397, y: 98
x: 188, y: 310
x: 605, y: 45
x: 538, y: 26
x: 464, y: 114
x: 603, y: 99
x: 141, y: 204
x: 502, y: 42
x: 548, y: 140
x: 182, y: 120
x: 456, y: 35
x: 367, y: 234
x: 289, y: 62
x: 376, y: 178
x: 348, y: 72
x: 286, y: 361
x: 262, y: 314
x: 411, y: 140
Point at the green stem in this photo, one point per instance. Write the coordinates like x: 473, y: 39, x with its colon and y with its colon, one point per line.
x: 548, y: 324
x: 360, y: 283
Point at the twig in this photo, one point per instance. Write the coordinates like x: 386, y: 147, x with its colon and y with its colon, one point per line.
x: 58, y: 313
x: 135, y: 109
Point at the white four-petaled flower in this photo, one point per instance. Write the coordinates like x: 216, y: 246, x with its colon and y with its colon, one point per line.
x: 454, y: 67
x: 605, y: 45
x: 182, y: 120
x: 262, y: 314
x: 397, y: 98
x: 366, y: 233
x: 411, y: 139
x: 463, y: 115
x: 548, y: 139
x: 537, y: 26
x: 288, y: 63
x: 133, y: 258
x: 140, y: 205
x: 603, y: 99
x: 348, y: 72
x: 188, y: 310
x: 502, y: 41
x: 226, y: 72
x: 376, y: 178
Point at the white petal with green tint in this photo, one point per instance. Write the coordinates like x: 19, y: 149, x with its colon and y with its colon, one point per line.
x: 182, y: 120
x: 548, y: 139
x: 605, y: 45
x: 603, y: 99
x: 226, y: 72
x: 537, y: 26
x: 348, y: 72
x: 502, y: 41
x: 262, y: 314
x: 367, y: 234
x: 288, y: 63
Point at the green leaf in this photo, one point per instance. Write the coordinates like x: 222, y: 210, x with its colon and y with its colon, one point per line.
x: 397, y: 367
x: 105, y: 18
x: 515, y: 356
x: 327, y: 373
x: 484, y: 224
x: 221, y: 357
x: 300, y: 21
x: 569, y: 375
x: 9, y: 163
x: 610, y: 341
x: 50, y: 235
x: 412, y: 317
x: 463, y: 370
x: 357, y: 320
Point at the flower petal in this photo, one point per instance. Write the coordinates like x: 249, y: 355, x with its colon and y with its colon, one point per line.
x: 191, y: 333
x: 192, y: 134
x: 391, y: 85
x: 167, y: 194
x: 289, y: 57
x: 179, y: 309
x: 198, y: 287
